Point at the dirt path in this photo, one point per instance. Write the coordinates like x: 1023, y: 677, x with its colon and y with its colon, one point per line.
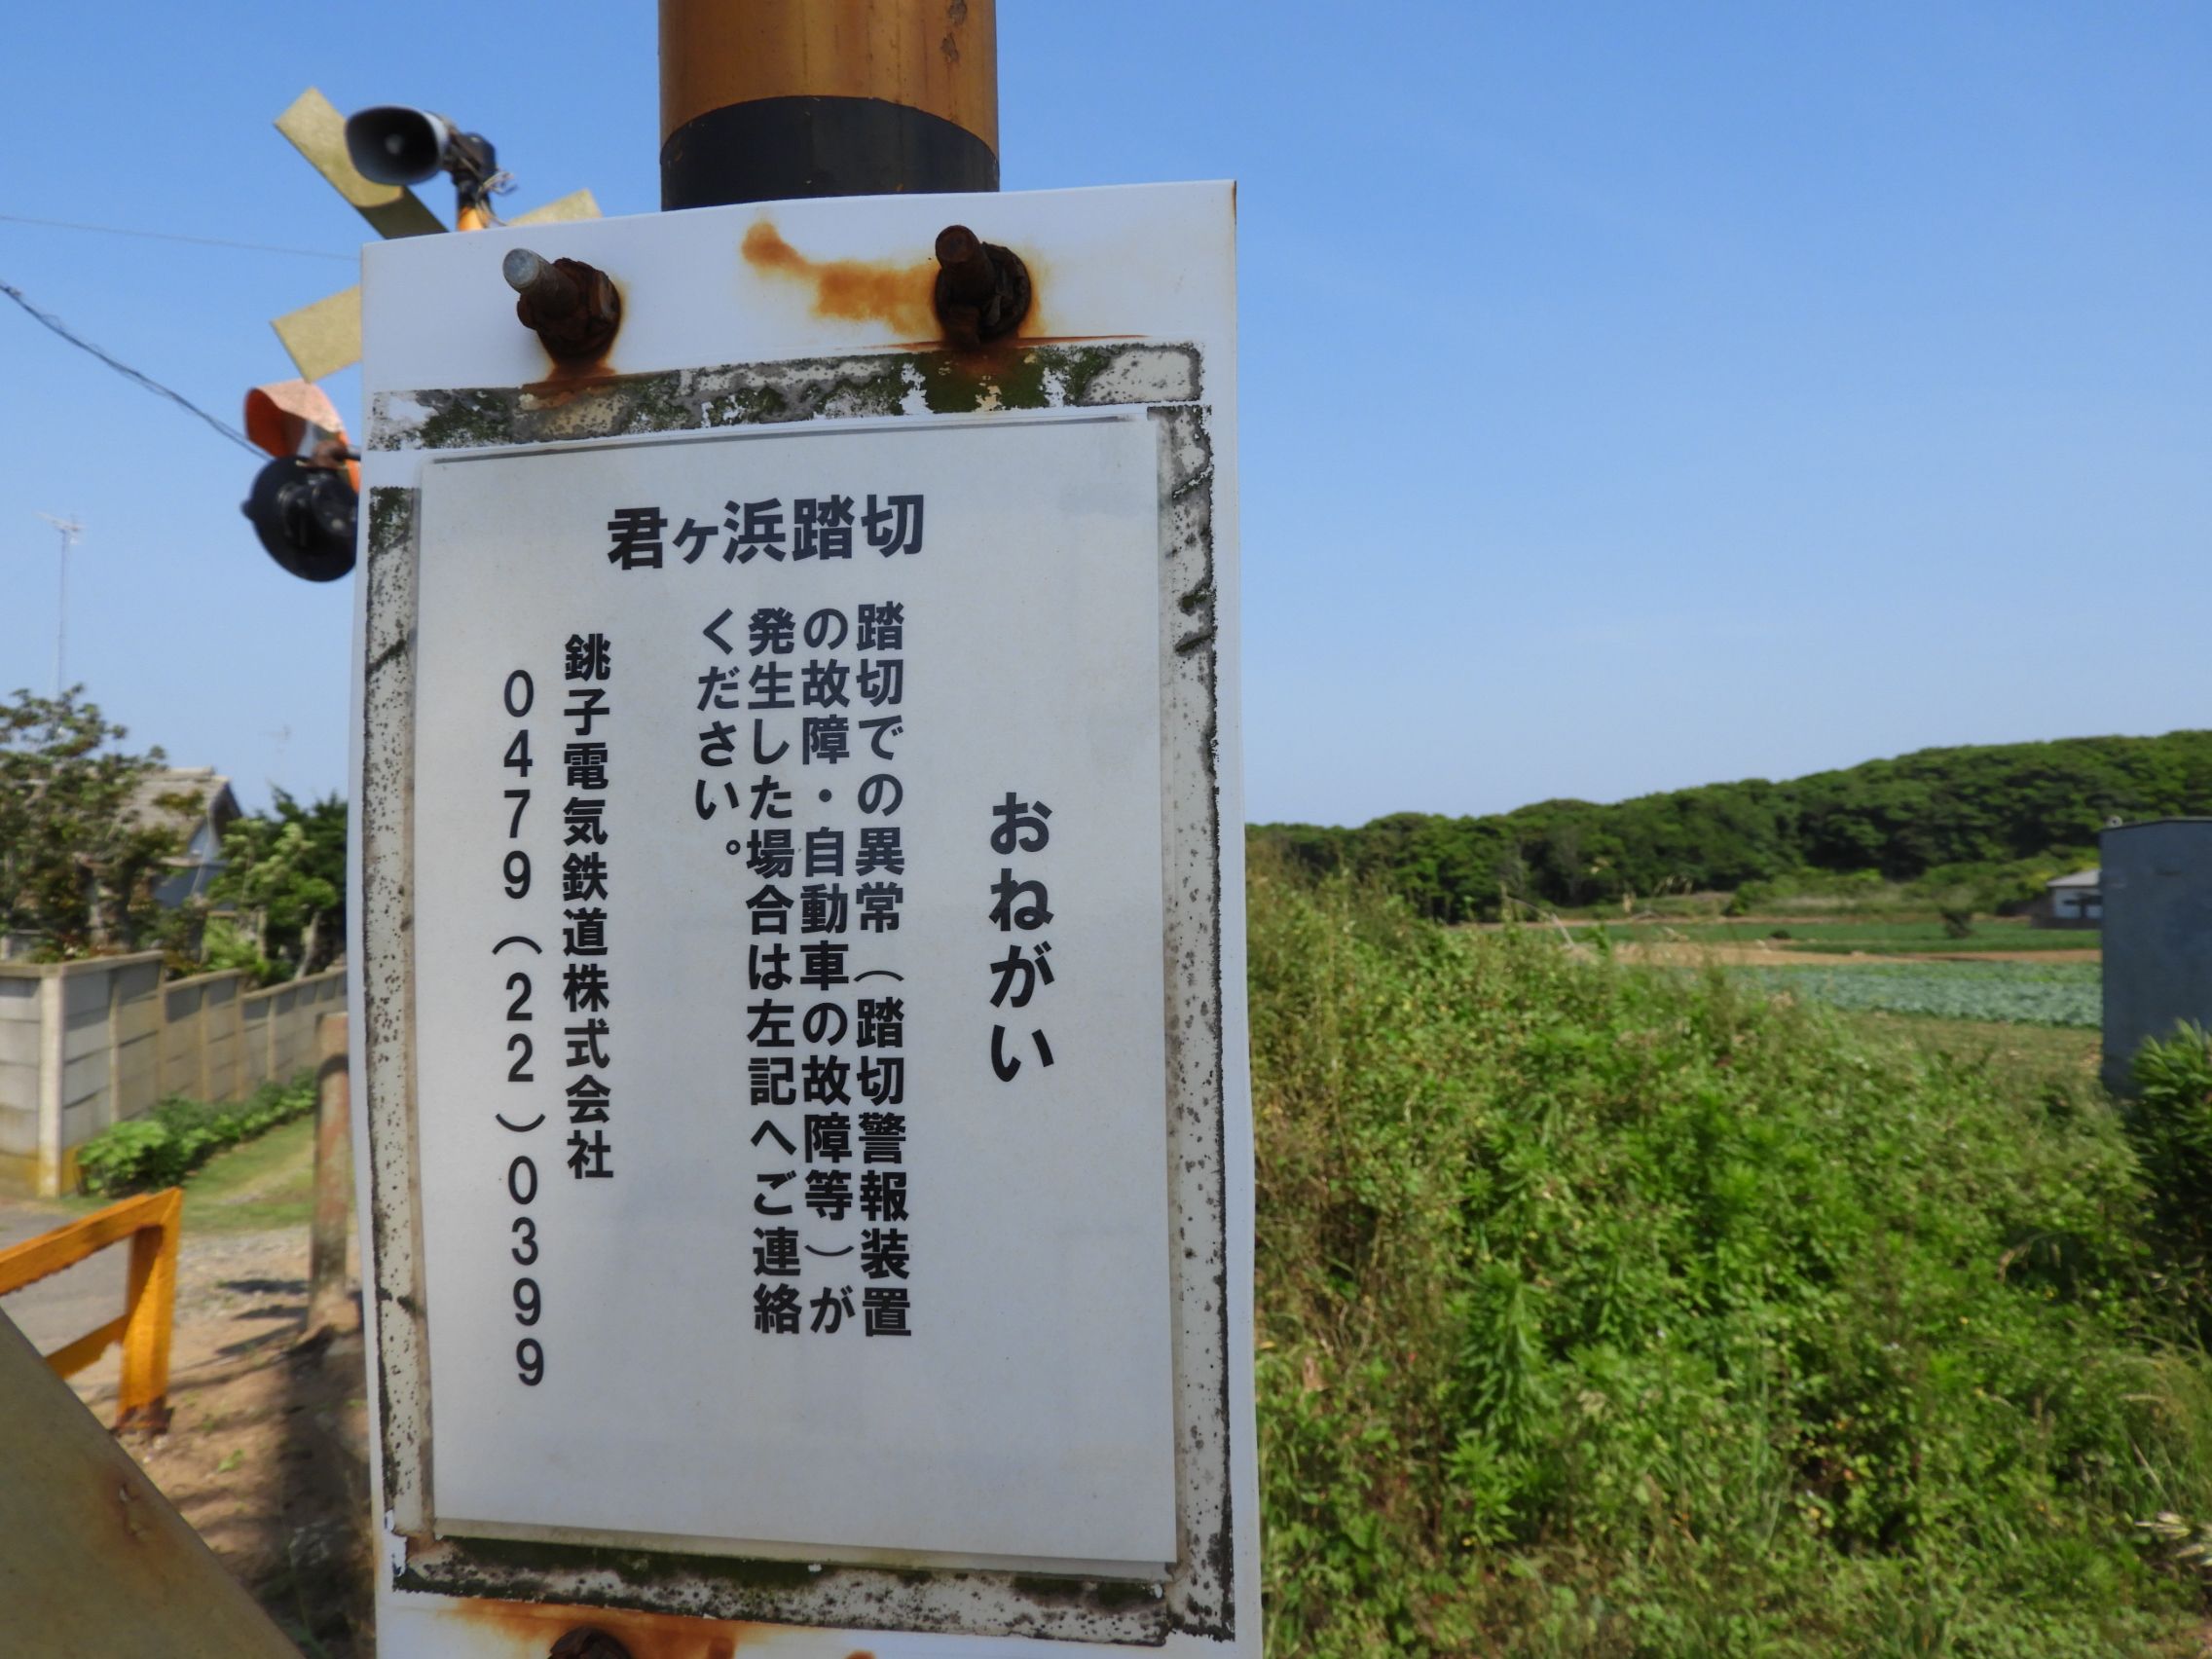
x: 1695, y: 953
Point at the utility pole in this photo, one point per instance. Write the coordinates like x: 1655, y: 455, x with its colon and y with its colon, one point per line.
x: 72, y: 531
x: 766, y: 101
x: 327, y: 1309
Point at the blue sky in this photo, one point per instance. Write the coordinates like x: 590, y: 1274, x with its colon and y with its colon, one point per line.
x: 1634, y: 397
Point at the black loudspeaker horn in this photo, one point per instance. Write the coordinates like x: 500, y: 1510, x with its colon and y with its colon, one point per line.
x: 393, y: 144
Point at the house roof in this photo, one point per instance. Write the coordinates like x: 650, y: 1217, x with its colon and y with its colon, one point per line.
x: 154, y: 799
x: 2079, y: 878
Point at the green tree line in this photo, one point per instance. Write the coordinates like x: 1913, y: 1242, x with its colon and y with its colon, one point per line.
x: 78, y: 868
x: 80, y: 860
x: 1996, y: 818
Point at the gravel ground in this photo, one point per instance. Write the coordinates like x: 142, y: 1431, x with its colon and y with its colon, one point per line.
x: 229, y: 1284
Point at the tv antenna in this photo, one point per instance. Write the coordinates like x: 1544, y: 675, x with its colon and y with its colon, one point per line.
x: 72, y: 531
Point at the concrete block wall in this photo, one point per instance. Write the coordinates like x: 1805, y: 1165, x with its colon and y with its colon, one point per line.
x: 22, y: 1009
x: 136, y: 1053
x: 253, y: 1043
x: 223, y: 1038
x: 2158, y: 935
x: 84, y: 1045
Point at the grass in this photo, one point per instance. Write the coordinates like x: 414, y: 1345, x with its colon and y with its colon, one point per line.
x: 164, y: 1146
x: 266, y: 1183
x: 2024, y: 1061
x: 1610, y: 1309
x: 261, y: 1184
x: 1904, y: 939
x: 1874, y: 938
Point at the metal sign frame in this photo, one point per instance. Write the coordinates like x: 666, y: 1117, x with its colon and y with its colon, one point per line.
x: 1137, y: 289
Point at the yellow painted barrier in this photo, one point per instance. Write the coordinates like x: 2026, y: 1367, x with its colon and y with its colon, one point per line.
x: 152, y: 1224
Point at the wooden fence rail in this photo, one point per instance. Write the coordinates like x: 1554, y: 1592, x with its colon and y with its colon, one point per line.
x: 151, y: 1222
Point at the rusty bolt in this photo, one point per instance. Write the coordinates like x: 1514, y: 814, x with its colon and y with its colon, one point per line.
x: 982, y: 289
x: 585, y: 1642
x: 573, y: 307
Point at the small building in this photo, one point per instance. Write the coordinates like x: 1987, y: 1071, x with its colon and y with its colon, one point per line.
x: 2076, y: 900
x: 197, y: 804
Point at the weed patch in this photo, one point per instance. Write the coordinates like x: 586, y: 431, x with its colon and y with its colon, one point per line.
x: 176, y: 1137
x: 1620, y: 1311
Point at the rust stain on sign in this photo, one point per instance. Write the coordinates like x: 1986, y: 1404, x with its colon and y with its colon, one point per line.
x: 537, y: 1627
x: 852, y: 290
x: 564, y: 381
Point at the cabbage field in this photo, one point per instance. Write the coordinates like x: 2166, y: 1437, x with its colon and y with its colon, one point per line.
x: 2017, y: 993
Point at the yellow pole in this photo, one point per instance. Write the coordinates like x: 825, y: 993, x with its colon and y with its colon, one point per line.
x: 769, y: 100
x: 150, y: 1312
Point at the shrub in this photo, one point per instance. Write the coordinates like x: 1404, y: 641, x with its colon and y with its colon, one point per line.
x: 223, y: 946
x: 176, y: 1137
x: 1609, y: 1309
x: 2169, y: 1120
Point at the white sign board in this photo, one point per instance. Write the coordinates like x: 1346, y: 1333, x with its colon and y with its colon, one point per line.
x: 787, y: 1204
x: 806, y: 1102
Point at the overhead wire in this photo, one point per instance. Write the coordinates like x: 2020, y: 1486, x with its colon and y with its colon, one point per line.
x: 45, y: 319
x: 175, y: 236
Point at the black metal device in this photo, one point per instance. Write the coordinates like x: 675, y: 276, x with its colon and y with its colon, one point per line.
x: 304, y: 511
x: 397, y: 144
